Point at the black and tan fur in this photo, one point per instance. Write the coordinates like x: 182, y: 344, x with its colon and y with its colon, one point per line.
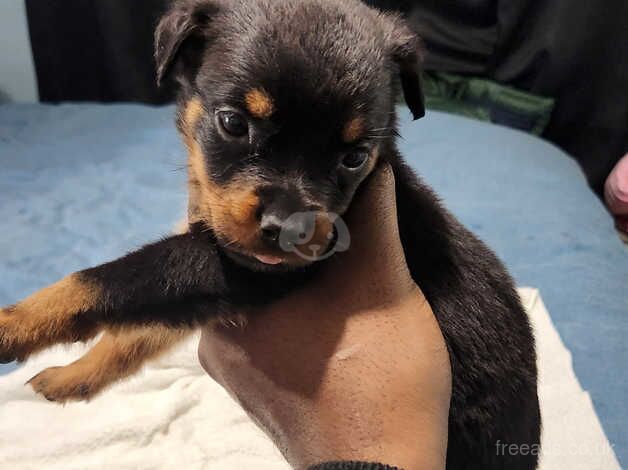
x: 315, y: 82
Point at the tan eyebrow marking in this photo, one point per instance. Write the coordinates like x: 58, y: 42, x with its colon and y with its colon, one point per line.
x: 259, y: 103
x: 353, y: 130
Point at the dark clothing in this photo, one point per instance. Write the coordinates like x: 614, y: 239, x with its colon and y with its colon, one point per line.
x: 96, y: 50
x: 576, y: 54
x: 351, y: 466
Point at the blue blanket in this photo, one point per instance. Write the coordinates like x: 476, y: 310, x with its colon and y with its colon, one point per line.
x: 82, y: 184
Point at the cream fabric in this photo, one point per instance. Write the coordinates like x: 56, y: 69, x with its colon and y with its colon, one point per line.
x: 172, y: 416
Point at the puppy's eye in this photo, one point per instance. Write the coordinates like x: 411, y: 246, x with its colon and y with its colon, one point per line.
x: 355, y: 160
x: 234, y: 124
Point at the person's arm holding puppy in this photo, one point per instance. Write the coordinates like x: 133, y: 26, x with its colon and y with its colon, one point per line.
x: 354, y: 366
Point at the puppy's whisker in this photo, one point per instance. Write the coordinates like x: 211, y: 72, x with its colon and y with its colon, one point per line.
x: 232, y: 242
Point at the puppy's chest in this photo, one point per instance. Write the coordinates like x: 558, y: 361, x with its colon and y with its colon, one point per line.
x: 251, y: 290
x: 246, y: 288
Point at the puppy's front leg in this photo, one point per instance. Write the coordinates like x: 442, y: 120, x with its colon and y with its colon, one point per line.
x: 118, y: 354
x: 49, y: 316
x: 78, y: 306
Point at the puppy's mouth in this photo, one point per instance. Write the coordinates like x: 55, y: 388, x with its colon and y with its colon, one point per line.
x: 259, y: 258
x: 266, y: 260
x: 259, y: 261
x: 289, y: 249
x: 271, y: 260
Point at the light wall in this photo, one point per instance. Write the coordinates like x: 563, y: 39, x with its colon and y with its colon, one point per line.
x: 17, y: 73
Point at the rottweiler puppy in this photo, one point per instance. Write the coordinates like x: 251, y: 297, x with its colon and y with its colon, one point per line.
x: 285, y: 108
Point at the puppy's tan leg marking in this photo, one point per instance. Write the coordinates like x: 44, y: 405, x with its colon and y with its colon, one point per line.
x: 49, y: 316
x: 118, y: 354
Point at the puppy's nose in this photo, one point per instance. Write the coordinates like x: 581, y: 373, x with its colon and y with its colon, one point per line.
x: 291, y: 229
x: 270, y: 226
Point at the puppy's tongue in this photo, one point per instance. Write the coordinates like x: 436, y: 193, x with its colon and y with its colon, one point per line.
x: 268, y: 259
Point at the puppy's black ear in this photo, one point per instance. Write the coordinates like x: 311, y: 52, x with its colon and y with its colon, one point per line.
x: 408, y: 53
x: 186, y: 22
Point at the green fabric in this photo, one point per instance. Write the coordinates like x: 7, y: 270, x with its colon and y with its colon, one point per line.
x: 487, y: 101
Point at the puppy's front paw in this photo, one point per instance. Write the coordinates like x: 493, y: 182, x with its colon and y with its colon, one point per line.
x: 63, y: 384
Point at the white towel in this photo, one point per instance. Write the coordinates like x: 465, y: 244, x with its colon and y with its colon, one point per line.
x: 173, y: 416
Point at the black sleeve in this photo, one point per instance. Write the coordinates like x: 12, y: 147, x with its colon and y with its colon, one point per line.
x: 352, y: 466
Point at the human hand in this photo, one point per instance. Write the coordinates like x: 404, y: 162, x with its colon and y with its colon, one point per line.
x: 351, y: 367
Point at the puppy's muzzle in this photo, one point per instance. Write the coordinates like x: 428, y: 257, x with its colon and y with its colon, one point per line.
x: 293, y: 229
x: 284, y: 216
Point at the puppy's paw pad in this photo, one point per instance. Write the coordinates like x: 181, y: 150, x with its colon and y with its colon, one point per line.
x: 55, y: 384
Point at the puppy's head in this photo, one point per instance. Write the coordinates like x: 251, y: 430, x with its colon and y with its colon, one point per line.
x: 285, y: 107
